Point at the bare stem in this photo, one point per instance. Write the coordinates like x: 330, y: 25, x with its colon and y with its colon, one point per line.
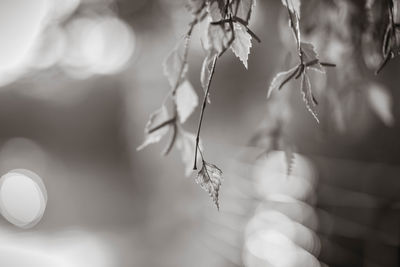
x: 202, y: 111
x: 162, y: 125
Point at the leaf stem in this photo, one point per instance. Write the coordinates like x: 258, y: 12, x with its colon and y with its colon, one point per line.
x: 162, y: 125
x: 202, y: 111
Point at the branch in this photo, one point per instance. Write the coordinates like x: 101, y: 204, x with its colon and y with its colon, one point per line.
x: 202, y: 111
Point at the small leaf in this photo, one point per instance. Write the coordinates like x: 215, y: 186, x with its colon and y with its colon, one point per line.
x: 244, y: 8
x: 381, y: 103
x: 210, y: 178
x: 307, y: 95
x: 310, y: 55
x: 206, y: 70
x: 242, y: 44
x: 175, y: 65
x: 156, y: 119
x: 279, y: 79
x: 186, y: 101
x: 294, y: 6
x: 186, y: 143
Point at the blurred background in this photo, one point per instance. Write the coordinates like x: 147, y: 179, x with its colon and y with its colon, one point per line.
x: 79, y: 79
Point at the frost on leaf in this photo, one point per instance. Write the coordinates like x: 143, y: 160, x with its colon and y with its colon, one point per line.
x: 206, y: 70
x: 152, y: 136
x: 175, y: 66
x: 210, y: 178
x: 308, y: 96
x: 186, y: 143
x: 279, y: 79
x: 243, y: 9
x: 310, y: 55
x: 242, y: 44
x: 294, y: 6
x: 186, y: 100
x: 381, y: 103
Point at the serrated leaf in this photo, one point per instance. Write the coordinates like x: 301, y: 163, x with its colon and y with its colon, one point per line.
x: 175, y: 66
x: 309, y: 55
x: 156, y: 118
x: 294, y: 6
x: 289, y: 158
x: 206, y: 70
x: 186, y: 144
x: 279, y: 79
x: 186, y: 101
x: 381, y: 103
x: 307, y: 95
x: 243, y: 8
x: 242, y: 44
x: 210, y: 179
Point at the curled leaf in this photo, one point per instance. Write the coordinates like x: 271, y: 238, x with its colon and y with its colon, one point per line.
x: 280, y: 79
x: 293, y: 5
x: 186, y: 101
x: 308, y: 96
x: 157, y: 118
x: 210, y: 179
x: 310, y: 55
x: 242, y: 44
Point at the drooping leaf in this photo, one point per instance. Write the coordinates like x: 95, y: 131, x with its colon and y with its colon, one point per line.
x: 206, y: 70
x: 242, y: 44
x: 294, y: 6
x: 308, y: 96
x: 186, y: 101
x: 175, y: 65
x: 243, y: 9
x: 381, y: 103
x: 186, y: 143
x: 156, y: 119
x: 310, y: 55
x: 279, y: 79
x: 210, y: 179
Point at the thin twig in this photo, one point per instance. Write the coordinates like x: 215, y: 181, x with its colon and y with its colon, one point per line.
x: 162, y: 125
x: 202, y: 111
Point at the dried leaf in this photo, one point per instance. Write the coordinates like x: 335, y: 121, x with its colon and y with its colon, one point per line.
x: 381, y: 103
x: 242, y: 44
x: 309, y: 55
x: 175, y: 66
x: 308, y: 96
x: 156, y: 118
x: 186, y: 101
x: 186, y: 143
x: 279, y: 79
x: 210, y: 178
x: 294, y: 6
x: 244, y: 8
